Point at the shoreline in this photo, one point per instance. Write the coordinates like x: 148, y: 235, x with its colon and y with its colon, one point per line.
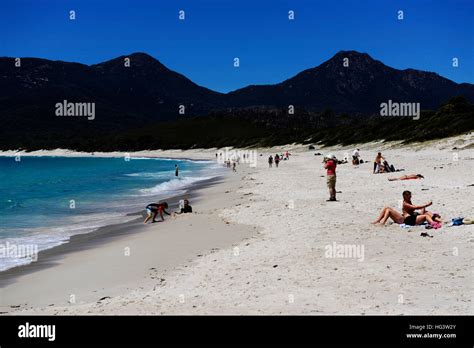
x: 281, y: 225
x: 124, y: 215
x: 96, y: 237
x: 27, y: 286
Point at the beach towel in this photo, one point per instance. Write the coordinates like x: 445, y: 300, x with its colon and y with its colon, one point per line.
x: 408, y: 226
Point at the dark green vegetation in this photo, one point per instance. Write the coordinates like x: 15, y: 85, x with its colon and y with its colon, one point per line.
x: 137, y: 107
x: 264, y: 127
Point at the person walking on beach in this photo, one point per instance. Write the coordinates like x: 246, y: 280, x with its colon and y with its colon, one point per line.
x: 153, y: 209
x: 330, y: 164
x: 176, y: 170
x: 270, y: 161
x: 277, y: 160
x: 234, y: 169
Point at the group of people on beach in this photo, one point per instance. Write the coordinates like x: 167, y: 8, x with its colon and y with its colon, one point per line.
x: 382, y: 166
x: 153, y: 209
x: 409, y: 216
x: 278, y: 158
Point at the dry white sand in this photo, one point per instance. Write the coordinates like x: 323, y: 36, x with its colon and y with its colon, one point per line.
x: 286, y: 268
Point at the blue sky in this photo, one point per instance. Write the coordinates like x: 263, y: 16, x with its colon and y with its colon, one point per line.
x: 270, y: 47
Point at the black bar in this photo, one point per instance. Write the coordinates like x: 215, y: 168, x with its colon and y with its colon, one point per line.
x: 224, y: 330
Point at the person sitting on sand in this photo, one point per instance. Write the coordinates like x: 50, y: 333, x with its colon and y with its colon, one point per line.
x: 153, y: 209
x: 355, y: 157
x: 409, y: 216
x: 378, y: 163
x: 408, y: 177
x: 184, y: 207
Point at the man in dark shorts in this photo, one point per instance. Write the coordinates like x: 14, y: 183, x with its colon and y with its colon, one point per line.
x: 153, y: 209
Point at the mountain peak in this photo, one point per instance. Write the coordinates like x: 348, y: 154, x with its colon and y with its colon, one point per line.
x: 353, y: 57
x: 138, y: 59
x: 355, y: 61
x: 142, y: 56
x: 351, y: 54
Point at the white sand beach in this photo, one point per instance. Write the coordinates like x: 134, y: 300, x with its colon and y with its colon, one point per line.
x: 259, y: 240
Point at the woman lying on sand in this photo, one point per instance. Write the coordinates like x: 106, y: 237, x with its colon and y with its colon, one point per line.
x: 409, y: 216
x: 408, y: 177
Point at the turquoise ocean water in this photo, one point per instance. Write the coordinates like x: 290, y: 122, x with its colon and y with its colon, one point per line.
x: 46, y: 200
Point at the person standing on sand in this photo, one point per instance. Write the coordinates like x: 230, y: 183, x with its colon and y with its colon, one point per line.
x: 270, y: 161
x: 277, y: 160
x: 330, y: 164
x: 176, y: 170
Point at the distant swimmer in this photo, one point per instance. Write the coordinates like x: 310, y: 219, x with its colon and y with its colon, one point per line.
x: 153, y: 209
x: 176, y: 170
x: 408, y: 177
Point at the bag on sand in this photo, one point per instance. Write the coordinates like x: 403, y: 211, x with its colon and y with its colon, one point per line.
x: 456, y: 221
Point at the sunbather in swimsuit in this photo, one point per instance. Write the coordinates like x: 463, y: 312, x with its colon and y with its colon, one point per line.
x: 411, y: 217
x: 408, y: 177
